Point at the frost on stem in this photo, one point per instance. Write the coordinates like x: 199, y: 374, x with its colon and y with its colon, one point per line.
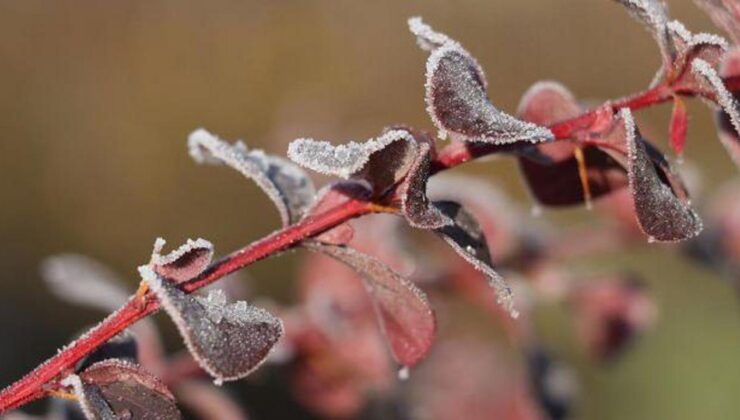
x: 456, y: 96
x: 661, y: 214
x: 380, y: 161
x: 229, y: 341
x: 287, y: 185
x: 466, y: 237
x: 114, y: 389
x: 402, y: 309
x: 83, y: 281
x: 334, y: 195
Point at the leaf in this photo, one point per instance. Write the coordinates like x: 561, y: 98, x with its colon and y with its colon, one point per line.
x: 661, y: 214
x: 456, y: 96
x: 228, y: 341
x: 287, y: 185
x: 689, y: 47
x: 414, y: 202
x: 112, y: 390
x: 728, y: 135
x: 83, y: 281
x: 467, y: 239
x: 402, y: 309
x: 183, y: 263
x: 382, y: 161
x: 725, y: 14
x: 551, y: 170
x: 679, y: 125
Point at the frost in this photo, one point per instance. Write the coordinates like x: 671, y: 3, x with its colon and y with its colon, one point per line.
x: 466, y: 238
x: 402, y: 309
x: 457, y: 102
x: 287, y: 185
x: 83, y: 281
x: 414, y: 202
x: 183, y: 263
x: 723, y: 97
x: 229, y: 341
x: 426, y: 37
x: 660, y: 213
x: 113, y: 389
x: 382, y: 161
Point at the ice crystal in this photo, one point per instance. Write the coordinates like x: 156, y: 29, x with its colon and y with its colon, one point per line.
x: 723, y: 97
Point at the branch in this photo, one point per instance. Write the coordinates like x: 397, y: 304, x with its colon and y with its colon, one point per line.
x: 46, y: 376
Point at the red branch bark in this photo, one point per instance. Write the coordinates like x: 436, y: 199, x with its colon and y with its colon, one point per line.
x: 45, y: 377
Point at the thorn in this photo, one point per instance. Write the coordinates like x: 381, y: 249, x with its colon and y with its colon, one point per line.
x: 581, y: 159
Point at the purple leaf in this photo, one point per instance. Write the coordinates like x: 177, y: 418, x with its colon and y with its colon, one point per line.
x: 183, y: 263
x: 661, y: 214
x: 229, y: 341
x: 466, y: 237
x: 456, y: 96
x: 402, y: 309
x: 381, y: 161
x: 113, y: 389
x: 287, y: 185
x: 414, y: 202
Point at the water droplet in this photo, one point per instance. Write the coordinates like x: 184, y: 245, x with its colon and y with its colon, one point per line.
x: 404, y: 373
x: 218, y: 381
x: 125, y: 414
x: 536, y: 210
x: 651, y: 240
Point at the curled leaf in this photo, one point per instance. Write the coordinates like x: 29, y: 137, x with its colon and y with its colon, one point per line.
x: 414, y: 202
x: 112, y: 389
x: 381, y: 161
x: 287, y: 185
x: 662, y: 215
x: 466, y: 237
x: 183, y: 263
x: 229, y: 341
x: 457, y: 100
x: 402, y: 309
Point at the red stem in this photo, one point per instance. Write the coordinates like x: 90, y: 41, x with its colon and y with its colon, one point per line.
x: 36, y: 384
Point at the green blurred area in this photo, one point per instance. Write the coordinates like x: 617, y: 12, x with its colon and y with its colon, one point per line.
x: 97, y: 99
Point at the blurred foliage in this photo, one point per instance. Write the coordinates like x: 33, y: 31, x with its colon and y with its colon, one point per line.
x: 98, y: 98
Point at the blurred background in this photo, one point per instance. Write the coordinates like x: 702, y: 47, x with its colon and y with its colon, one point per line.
x: 97, y: 100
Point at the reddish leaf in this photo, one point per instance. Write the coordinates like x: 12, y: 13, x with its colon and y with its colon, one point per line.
x: 229, y: 341
x: 662, y: 215
x: 287, y: 185
x: 183, y: 263
x: 456, y: 95
x: 402, y: 309
x: 113, y: 389
x: 679, y: 125
x: 466, y: 238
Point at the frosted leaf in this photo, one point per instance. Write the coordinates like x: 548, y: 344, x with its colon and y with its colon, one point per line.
x: 402, y: 309
x: 287, y: 185
x: 722, y: 96
x: 466, y: 237
x: 458, y: 104
x: 728, y: 135
x: 551, y: 170
x: 689, y: 47
x: 335, y: 195
x: 414, y: 202
x: 381, y: 161
x: 228, y: 341
x: 725, y: 14
x: 661, y: 214
x: 183, y: 263
x: 653, y: 14
x: 83, y: 281
x: 426, y: 37
x: 112, y: 390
